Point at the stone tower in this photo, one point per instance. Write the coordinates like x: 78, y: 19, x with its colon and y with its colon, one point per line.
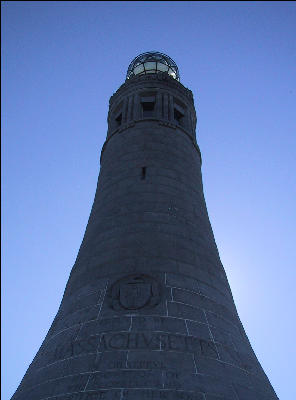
x: 147, y: 312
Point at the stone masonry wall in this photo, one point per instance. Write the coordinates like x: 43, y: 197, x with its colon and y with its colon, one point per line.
x: 147, y: 312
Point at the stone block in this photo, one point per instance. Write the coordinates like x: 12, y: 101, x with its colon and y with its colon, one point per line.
x: 61, y: 368
x: 241, y: 343
x: 48, y: 351
x: 80, y: 284
x: 261, y: 385
x: 162, y: 324
x: 111, y: 360
x: 75, y: 303
x: 48, y: 389
x: 150, y: 394
x: 101, y: 325
x: 222, y: 397
x: 180, y: 310
x: 163, y: 360
x: 196, y: 300
x: 222, y: 336
x: 198, y: 329
x: 182, y: 281
x: 75, y: 318
x: 198, y: 382
x: 75, y: 348
x: 247, y: 393
x: 222, y: 323
x: 216, y: 295
x: 225, y: 371
x: 229, y: 355
x: 93, y: 395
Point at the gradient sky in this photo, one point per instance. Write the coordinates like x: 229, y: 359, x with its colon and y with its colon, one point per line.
x: 61, y: 61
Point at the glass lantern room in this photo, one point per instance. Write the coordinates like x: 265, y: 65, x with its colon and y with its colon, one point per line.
x: 152, y: 62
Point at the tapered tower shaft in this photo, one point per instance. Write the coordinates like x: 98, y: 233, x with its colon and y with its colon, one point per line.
x: 147, y: 312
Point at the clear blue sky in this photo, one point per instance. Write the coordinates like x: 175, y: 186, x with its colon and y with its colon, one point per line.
x: 61, y: 61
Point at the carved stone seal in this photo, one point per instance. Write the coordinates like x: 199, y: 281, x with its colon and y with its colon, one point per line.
x: 135, y: 292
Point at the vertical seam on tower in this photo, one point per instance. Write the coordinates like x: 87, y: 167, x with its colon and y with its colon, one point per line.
x: 99, y: 344
x: 86, y: 383
x: 126, y: 362
x: 212, y: 336
x: 232, y: 341
x: 76, y: 336
x: 235, y: 392
x: 103, y: 299
x: 185, y: 320
x: 194, y: 363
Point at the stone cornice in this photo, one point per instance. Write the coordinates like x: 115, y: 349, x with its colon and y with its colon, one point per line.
x: 161, y: 78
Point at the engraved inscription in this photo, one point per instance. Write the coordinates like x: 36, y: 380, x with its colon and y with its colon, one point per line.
x: 157, y: 341
x: 125, y: 378
x: 97, y: 395
x: 129, y: 341
x: 145, y: 364
x: 150, y: 394
x: 172, y: 379
x: 132, y: 341
x: 75, y: 348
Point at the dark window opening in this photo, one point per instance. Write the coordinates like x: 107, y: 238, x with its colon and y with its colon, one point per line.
x: 148, y: 109
x: 178, y: 117
x: 118, y: 119
x: 143, y: 173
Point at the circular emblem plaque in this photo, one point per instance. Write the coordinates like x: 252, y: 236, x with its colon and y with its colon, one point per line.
x: 134, y: 292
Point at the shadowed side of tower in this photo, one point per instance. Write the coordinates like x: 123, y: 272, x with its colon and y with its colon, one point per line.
x: 147, y: 312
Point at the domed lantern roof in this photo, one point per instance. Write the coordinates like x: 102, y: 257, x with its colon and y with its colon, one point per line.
x: 152, y: 62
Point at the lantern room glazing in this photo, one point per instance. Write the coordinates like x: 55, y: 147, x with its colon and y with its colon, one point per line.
x: 152, y: 62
